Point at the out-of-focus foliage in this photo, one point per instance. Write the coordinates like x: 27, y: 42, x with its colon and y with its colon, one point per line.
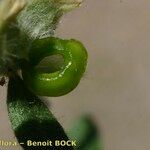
x: 86, y: 133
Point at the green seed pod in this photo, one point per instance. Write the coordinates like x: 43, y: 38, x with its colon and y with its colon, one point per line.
x: 59, y: 82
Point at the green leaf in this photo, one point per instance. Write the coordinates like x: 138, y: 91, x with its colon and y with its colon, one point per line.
x: 94, y: 144
x: 40, y: 17
x: 85, y: 132
x: 31, y: 119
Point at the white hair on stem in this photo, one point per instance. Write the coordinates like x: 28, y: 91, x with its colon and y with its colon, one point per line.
x: 68, y: 5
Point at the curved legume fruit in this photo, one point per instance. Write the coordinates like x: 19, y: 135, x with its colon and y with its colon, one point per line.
x: 62, y: 81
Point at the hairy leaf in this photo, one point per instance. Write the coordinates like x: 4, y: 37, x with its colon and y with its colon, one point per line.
x: 40, y: 17
x: 31, y: 119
